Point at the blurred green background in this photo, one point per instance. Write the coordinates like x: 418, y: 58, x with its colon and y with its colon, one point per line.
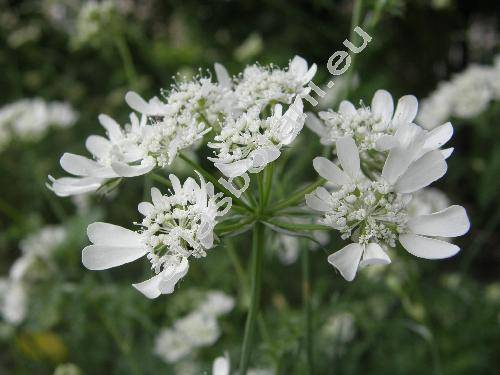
x: 413, y: 317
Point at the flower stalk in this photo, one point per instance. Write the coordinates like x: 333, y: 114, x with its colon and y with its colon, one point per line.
x: 256, y: 281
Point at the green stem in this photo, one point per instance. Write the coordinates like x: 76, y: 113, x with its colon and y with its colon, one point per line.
x: 126, y: 58
x: 268, y: 180
x: 214, y: 181
x: 161, y: 179
x: 257, y: 258
x: 306, y: 300
x: 298, y: 227
x: 296, y: 197
x: 225, y: 229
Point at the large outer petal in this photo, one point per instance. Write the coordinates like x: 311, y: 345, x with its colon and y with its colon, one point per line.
x: 428, y: 248
x: 450, y: 222
x: 330, y: 171
x: 422, y: 173
x: 101, y: 257
x: 112, y: 235
x: 348, y: 154
x: 374, y: 254
x: 347, y: 260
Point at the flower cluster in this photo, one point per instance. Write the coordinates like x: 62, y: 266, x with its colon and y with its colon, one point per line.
x: 246, y: 138
x: 118, y: 155
x: 370, y: 206
x: 29, y: 119
x: 26, y: 270
x: 175, y: 227
x: 378, y: 128
x: 197, y: 329
x: 465, y: 96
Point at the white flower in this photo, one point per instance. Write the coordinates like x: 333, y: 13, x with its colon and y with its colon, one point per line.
x: 249, y: 143
x: 175, y: 227
x: 217, y: 303
x: 466, y: 95
x: 221, y: 365
x: 373, y: 212
x: 190, y: 110
x: 13, y: 301
x: 29, y: 119
x: 171, y: 346
x: 119, y: 155
x: 340, y: 327
x: 366, y: 124
x: 259, y: 85
x: 198, y: 328
x: 288, y: 249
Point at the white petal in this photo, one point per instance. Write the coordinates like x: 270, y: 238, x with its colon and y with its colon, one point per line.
x: 145, y: 208
x: 101, y: 257
x: 112, y: 127
x: 67, y: 186
x: 156, y: 197
x: 263, y: 156
x: 315, y: 124
x: 428, y: 248
x: 151, y: 287
x: 374, y: 254
x: 79, y: 165
x: 346, y: 108
x: 171, y: 278
x: 221, y: 366
x: 222, y: 75
x: 310, y: 74
x: 422, y: 173
x: 137, y: 103
x: 396, y: 164
x: 447, y: 152
x: 298, y: 66
x: 348, y: 154
x: 450, y: 222
x: 234, y: 169
x: 97, y: 145
x: 176, y: 183
x: 112, y: 235
x: 347, y: 260
x: 125, y: 170
x: 438, y: 136
x: 383, y: 105
x: 330, y: 171
x: 386, y: 142
x: 316, y: 203
x: 406, y: 109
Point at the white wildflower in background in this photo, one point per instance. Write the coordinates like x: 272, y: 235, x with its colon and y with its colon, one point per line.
x: 37, y: 250
x: 93, y: 19
x: 118, y: 155
x: 249, y: 143
x: 372, y: 212
x: 175, y: 227
x: 30, y: 119
x: 197, y: 329
x: 465, y: 96
x: 13, y: 301
x: 217, y: 303
x: 222, y: 366
x: 340, y: 328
